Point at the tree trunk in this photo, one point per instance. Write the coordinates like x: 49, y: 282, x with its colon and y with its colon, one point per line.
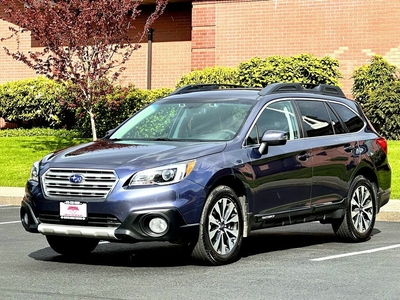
x: 93, y: 126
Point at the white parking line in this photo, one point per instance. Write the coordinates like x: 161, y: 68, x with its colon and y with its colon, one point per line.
x: 356, y: 253
x: 12, y: 222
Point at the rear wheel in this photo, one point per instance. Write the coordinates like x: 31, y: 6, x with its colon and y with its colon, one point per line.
x: 221, y: 228
x: 359, y: 219
x: 71, y: 246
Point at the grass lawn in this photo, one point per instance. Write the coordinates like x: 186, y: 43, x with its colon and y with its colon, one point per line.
x: 18, y: 154
x: 394, y: 161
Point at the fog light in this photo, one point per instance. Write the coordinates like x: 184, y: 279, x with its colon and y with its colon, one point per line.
x: 158, y: 225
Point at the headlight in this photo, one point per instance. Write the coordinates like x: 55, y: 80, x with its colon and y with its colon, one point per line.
x: 35, y: 171
x: 163, y: 175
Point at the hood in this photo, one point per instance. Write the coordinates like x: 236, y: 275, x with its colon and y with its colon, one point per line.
x: 114, y: 154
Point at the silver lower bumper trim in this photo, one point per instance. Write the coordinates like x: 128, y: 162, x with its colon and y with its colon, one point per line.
x: 77, y: 231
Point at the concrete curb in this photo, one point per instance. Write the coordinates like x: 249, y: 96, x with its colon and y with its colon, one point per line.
x: 390, y: 212
x: 13, y: 196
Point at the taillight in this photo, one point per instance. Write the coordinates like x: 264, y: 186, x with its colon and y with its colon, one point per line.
x: 381, y: 141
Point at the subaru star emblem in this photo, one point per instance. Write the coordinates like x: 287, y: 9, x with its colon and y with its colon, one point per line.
x: 76, y: 178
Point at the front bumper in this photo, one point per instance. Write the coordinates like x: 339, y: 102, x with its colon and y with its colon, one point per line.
x: 134, y: 228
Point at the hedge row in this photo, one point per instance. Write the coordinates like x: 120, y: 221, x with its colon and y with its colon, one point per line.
x: 259, y: 72
x: 42, y: 102
x: 34, y: 102
x: 39, y: 131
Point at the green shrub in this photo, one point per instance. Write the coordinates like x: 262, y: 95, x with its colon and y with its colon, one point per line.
x: 210, y: 75
x: 382, y: 108
x: 371, y: 77
x: 377, y: 87
x: 34, y: 102
x: 259, y: 72
x: 304, y: 68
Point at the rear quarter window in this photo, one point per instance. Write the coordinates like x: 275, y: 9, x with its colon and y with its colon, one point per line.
x: 352, y: 121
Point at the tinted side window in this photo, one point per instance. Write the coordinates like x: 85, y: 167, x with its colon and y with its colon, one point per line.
x: 353, y: 122
x: 316, y: 121
x: 276, y: 116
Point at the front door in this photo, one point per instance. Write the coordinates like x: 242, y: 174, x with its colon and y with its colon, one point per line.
x: 283, y: 175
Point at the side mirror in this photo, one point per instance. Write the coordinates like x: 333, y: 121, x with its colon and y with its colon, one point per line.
x: 109, y: 132
x: 272, y: 138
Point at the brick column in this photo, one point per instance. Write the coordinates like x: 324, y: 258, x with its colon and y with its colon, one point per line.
x: 203, y: 34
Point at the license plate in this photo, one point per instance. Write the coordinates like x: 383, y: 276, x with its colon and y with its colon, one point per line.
x: 73, y: 210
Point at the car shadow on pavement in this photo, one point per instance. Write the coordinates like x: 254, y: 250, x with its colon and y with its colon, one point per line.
x: 280, y: 238
x: 164, y: 254
x: 129, y: 255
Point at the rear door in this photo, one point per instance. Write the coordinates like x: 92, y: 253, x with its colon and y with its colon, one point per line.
x: 332, y: 149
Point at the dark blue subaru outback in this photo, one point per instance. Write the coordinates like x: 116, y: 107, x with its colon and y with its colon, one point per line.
x: 207, y: 165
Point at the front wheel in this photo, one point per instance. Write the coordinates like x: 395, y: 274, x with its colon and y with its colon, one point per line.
x: 221, y: 228
x: 359, y: 218
x: 72, y: 246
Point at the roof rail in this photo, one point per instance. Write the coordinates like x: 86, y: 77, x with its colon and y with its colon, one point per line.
x: 281, y: 88
x: 327, y: 89
x: 204, y: 87
x: 323, y: 89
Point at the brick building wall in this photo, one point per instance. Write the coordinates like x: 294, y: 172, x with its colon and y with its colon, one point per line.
x: 195, y: 34
x: 10, y: 69
x: 348, y: 30
x: 171, y: 50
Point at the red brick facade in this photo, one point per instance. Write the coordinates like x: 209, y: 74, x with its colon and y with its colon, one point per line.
x: 196, y: 34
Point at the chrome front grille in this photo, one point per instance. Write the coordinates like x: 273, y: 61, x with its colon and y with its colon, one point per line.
x: 95, y: 184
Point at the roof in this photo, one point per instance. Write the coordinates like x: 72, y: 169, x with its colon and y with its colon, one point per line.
x: 274, y: 88
x: 217, y: 95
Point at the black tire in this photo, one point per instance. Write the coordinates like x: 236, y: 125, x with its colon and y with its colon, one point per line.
x: 221, y: 228
x: 71, y: 246
x: 359, y: 218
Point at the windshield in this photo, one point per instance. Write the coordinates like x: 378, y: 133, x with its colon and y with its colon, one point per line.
x: 204, y: 121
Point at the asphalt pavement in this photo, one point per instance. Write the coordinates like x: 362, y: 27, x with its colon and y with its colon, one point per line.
x: 13, y: 196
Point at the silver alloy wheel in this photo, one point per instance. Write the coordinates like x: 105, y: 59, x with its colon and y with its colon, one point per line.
x: 223, y: 226
x: 362, y: 211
